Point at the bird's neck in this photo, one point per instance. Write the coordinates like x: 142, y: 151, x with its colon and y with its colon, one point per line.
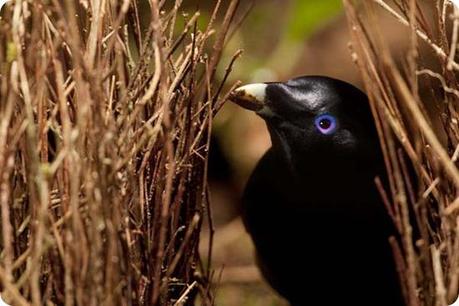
x: 326, y: 166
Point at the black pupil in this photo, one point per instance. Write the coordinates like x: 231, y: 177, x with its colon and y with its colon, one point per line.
x: 325, y: 123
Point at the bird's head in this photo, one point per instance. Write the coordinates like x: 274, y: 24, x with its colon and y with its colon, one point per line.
x: 313, y: 119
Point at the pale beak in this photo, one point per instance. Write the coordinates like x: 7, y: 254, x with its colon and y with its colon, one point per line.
x: 251, y: 96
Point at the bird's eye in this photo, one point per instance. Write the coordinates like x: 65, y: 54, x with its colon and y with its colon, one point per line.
x: 326, y: 124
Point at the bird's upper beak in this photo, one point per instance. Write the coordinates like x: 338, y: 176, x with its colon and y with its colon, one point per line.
x: 251, y: 96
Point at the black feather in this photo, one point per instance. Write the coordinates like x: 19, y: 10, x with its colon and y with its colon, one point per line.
x: 311, y: 207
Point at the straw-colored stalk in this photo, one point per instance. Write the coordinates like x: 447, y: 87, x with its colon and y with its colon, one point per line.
x: 415, y: 108
x: 104, y: 137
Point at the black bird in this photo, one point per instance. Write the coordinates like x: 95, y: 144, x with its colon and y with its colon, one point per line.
x: 311, y: 207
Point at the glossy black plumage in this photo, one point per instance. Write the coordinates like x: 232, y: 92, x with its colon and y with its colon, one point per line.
x: 311, y: 206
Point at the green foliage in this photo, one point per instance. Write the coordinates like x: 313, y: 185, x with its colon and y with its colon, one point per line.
x: 11, y: 52
x: 307, y: 15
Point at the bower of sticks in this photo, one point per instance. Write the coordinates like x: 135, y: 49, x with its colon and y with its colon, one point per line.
x: 414, y: 98
x: 105, y: 115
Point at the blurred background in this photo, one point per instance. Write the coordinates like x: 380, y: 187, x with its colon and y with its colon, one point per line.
x: 280, y: 39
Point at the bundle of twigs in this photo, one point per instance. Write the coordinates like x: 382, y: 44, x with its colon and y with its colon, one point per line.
x: 416, y: 110
x: 105, y: 109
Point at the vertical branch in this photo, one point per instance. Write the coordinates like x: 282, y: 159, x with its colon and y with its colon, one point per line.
x: 428, y: 232
x: 104, y: 140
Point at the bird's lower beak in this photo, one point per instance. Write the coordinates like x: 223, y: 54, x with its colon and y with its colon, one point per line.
x: 251, y: 97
